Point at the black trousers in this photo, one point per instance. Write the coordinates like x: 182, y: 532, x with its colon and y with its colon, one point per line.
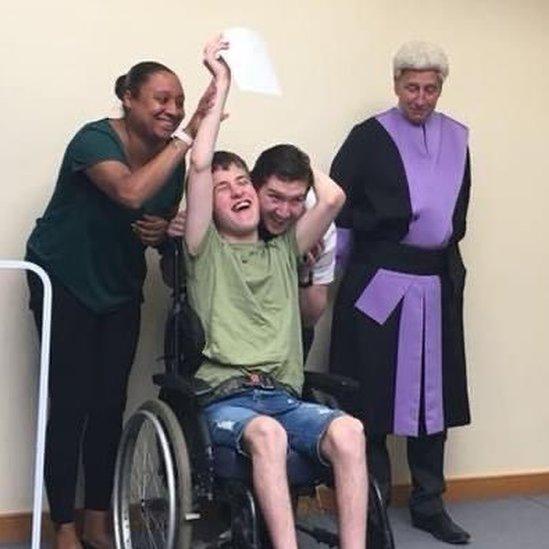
x: 91, y: 358
x: 426, y: 462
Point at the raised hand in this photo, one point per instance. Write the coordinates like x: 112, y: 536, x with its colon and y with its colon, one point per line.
x: 213, y: 60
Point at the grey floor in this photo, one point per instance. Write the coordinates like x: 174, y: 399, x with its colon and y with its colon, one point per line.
x: 514, y: 523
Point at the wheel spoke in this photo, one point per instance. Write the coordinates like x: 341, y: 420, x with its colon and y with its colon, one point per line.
x: 150, y: 486
x: 150, y: 533
x: 148, y: 511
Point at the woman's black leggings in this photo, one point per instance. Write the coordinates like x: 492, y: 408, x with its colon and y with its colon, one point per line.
x: 91, y: 358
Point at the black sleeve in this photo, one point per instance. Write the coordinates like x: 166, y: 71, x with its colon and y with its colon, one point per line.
x: 346, y: 171
x: 369, y: 169
x: 462, y: 204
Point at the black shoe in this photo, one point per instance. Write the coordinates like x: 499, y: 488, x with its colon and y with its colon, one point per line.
x: 442, y: 527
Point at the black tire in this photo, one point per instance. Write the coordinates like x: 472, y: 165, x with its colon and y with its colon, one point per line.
x: 152, y: 502
x: 380, y: 533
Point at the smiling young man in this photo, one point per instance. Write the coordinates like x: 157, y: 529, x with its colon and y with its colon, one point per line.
x: 283, y: 178
x: 244, y: 291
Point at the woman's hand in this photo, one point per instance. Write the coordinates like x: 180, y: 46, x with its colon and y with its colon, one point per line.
x: 204, y: 105
x: 151, y: 229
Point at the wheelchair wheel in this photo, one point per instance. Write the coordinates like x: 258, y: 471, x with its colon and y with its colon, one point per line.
x: 152, y: 501
x: 380, y: 533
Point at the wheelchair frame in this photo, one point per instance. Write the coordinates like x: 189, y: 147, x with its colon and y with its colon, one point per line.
x: 176, y: 480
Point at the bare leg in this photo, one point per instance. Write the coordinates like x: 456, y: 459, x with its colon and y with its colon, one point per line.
x: 66, y: 537
x: 344, y: 446
x: 267, y: 442
x: 97, y: 529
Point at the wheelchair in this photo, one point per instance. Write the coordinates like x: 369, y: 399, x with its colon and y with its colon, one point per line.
x: 174, y: 490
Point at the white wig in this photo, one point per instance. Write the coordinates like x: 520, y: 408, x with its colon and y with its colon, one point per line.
x: 420, y: 56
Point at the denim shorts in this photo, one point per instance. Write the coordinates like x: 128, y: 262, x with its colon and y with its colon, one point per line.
x: 305, y: 423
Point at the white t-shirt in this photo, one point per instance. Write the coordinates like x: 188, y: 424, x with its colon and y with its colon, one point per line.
x: 324, y: 268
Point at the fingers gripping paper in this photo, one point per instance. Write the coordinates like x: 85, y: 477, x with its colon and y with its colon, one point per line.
x: 249, y: 61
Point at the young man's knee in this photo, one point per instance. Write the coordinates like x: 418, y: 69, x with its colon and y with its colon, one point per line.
x: 345, y: 438
x: 265, y: 436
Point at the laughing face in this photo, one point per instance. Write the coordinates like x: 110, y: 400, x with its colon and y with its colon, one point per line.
x: 235, y: 207
x: 157, y: 107
x: 281, y: 203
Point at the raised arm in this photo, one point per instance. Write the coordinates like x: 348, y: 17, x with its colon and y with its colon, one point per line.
x: 200, y: 182
x: 133, y: 188
x: 315, y: 222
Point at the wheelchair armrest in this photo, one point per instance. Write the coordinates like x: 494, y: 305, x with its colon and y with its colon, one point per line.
x: 191, y: 388
x: 330, y: 383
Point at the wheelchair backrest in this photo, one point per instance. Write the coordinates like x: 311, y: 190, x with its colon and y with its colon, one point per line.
x: 184, y: 337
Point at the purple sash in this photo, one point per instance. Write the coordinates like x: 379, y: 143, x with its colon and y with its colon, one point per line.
x: 433, y: 155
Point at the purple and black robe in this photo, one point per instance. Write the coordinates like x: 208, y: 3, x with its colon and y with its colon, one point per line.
x: 398, y: 316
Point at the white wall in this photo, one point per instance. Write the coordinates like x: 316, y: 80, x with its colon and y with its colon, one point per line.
x: 58, y: 66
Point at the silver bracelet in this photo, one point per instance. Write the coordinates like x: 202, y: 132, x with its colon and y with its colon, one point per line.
x: 182, y: 135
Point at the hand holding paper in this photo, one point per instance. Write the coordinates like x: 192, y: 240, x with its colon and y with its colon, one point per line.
x: 250, y: 64
x: 213, y: 60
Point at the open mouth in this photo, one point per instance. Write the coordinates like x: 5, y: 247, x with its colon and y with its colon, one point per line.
x: 241, y: 205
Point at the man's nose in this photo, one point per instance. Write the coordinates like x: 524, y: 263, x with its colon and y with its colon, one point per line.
x: 283, y: 210
x: 236, y: 190
x: 421, y: 99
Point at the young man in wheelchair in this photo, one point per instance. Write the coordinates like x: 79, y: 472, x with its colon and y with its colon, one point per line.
x: 245, y: 292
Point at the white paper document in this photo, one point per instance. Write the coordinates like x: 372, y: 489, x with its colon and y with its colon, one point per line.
x: 249, y: 61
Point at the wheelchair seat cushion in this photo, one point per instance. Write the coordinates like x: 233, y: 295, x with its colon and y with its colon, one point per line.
x: 302, y: 471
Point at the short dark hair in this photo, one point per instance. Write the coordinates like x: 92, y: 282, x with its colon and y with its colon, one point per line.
x: 286, y: 162
x: 223, y: 160
x: 136, y: 77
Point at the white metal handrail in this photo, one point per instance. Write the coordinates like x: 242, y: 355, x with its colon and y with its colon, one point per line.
x: 42, y: 391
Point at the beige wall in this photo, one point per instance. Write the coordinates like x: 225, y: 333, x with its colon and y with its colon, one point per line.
x: 58, y: 65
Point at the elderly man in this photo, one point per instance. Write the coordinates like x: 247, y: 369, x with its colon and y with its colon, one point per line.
x: 397, y: 324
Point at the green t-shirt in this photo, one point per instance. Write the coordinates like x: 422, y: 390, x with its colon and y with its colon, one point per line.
x: 246, y: 296
x: 84, y: 239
